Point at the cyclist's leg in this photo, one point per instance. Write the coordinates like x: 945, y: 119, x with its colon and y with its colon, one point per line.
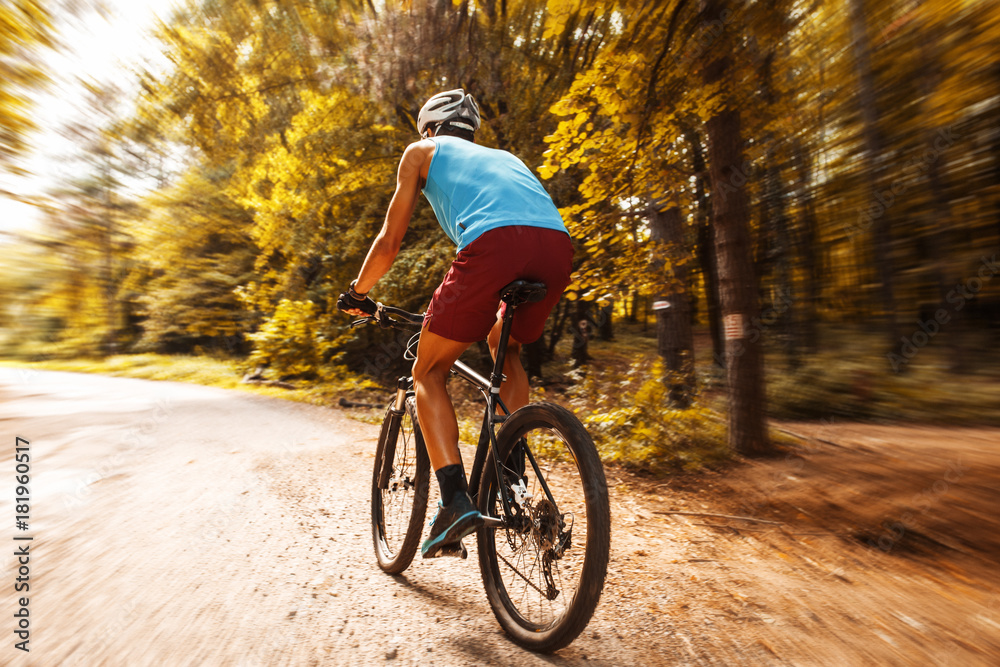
x: 457, y: 516
x: 514, y: 391
x: 435, y: 412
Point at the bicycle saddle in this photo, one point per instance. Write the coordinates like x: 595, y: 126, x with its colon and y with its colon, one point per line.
x: 522, y: 291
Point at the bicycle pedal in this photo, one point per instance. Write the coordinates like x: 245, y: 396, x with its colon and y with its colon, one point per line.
x: 456, y: 550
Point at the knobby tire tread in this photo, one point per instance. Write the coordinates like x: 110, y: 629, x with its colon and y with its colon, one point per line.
x: 598, y: 529
x: 398, y: 562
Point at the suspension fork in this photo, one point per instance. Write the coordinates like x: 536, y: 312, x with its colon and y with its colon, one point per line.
x: 390, y: 431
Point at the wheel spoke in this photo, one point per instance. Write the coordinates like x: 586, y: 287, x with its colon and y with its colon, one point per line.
x: 398, y: 510
x: 518, y: 573
x: 544, y: 570
x: 525, y: 553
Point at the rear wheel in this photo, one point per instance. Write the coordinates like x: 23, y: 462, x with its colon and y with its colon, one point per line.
x: 399, y: 502
x: 545, y: 571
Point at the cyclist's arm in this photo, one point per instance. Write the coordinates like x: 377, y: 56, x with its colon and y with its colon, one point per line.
x: 409, y: 180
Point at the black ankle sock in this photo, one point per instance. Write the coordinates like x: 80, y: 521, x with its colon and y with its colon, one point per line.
x: 451, y: 479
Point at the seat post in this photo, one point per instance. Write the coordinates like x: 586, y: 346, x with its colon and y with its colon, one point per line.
x: 497, y: 377
x: 513, y: 295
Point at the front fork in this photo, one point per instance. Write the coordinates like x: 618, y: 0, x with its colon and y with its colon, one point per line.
x: 390, y: 431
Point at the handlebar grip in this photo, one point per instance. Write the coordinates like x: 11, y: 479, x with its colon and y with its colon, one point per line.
x: 412, y: 318
x: 382, y: 317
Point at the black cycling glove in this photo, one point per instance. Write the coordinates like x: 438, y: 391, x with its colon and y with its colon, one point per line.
x: 350, y: 300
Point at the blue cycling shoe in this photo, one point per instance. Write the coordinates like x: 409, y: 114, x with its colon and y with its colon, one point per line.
x: 451, y: 523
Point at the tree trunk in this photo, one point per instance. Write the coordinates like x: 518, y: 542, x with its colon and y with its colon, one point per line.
x: 562, y: 315
x: 996, y: 153
x: 806, y: 240
x: 737, y: 285
x: 581, y: 333
x: 706, y: 247
x: 534, y: 356
x: 781, y: 295
x: 605, y: 329
x: 877, y: 213
x: 937, y: 248
x: 673, y: 310
x: 938, y: 243
x: 110, y: 346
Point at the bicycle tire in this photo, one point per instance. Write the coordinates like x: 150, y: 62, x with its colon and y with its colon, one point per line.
x: 398, y: 511
x: 537, y: 533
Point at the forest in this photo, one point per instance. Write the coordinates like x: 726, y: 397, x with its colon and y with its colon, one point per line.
x: 780, y: 208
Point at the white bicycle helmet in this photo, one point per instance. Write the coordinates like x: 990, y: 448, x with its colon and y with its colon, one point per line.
x: 453, y: 106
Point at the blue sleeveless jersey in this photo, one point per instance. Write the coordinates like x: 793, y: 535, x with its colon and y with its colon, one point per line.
x: 474, y: 189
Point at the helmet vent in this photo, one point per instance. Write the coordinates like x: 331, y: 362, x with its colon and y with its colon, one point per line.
x: 453, y: 107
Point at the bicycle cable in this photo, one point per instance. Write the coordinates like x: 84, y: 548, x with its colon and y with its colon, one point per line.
x: 410, y: 354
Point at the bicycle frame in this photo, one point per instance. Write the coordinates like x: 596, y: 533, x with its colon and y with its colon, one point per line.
x: 486, y: 448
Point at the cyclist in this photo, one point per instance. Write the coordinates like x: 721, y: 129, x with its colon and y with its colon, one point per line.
x: 506, y: 228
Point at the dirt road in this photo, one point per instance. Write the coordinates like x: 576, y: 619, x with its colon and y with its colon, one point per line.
x: 182, y: 525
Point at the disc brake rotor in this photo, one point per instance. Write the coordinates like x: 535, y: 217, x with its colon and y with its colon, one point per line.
x: 546, y: 524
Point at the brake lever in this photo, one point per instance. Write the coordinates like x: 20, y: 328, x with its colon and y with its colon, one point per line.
x: 381, y: 318
x: 363, y: 320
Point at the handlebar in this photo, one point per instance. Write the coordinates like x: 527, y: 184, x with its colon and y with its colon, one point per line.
x: 384, y: 317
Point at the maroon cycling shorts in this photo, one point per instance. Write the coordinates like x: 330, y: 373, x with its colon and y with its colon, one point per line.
x: 465, y: 307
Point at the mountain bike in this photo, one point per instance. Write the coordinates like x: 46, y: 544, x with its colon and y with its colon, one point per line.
x: 536, y: 478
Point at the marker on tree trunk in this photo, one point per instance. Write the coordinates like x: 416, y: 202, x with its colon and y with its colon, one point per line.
x: 733, y: 326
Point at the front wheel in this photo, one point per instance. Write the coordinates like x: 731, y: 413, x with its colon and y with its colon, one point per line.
x: 400, y: 483
x: 544, y: 572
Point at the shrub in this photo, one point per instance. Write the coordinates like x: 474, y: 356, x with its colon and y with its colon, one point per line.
x: 634, y: 423
x: 289, y: 342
